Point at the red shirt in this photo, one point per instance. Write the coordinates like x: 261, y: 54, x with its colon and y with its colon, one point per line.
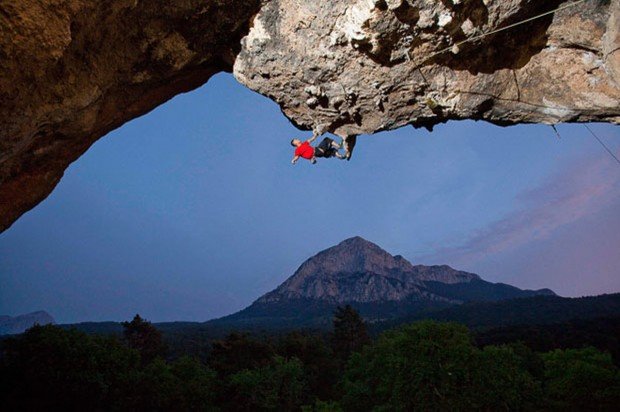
x: 305, y: 150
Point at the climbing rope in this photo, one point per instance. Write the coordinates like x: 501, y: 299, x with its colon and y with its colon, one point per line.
x: 511, y: 26
x: 480, y: 36
x: 596, y: 137
x: 602, y: 144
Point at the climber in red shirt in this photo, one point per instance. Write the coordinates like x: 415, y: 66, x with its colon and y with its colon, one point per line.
x: 327, y: 148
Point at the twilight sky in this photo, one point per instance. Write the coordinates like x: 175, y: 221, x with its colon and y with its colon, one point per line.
x: 194, y: 210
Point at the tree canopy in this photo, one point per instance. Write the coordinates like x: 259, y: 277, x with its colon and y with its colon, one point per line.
x: 422, y: 366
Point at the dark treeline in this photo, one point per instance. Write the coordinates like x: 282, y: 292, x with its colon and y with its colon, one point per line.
x: 602, y: 333
x: 426, y: 365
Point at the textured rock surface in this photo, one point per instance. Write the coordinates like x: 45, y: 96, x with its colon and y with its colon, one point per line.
x: 360, y: 66
x: 353, y: 271
x: 72, y: 70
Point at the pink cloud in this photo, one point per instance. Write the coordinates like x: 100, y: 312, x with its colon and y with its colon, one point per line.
x: 579, y: 189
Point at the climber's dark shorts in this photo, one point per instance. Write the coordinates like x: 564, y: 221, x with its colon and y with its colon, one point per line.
x: 325, y: 148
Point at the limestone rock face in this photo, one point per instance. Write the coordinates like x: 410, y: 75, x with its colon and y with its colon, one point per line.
x: 360, y: 66
x: 73, y: 70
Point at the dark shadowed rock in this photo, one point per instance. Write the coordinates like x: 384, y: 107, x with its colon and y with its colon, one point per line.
x: 73, y: 70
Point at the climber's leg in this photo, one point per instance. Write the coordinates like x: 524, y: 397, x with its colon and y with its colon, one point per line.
x: 325, y: 145
x: 328, y: 148
x: 325, y: 148
x: 349, y: 144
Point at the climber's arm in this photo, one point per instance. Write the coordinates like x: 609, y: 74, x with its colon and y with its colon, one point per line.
x: 295, y: 159
x: 313, y: 138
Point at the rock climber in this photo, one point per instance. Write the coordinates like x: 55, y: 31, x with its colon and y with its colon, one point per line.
x: 327, y: 148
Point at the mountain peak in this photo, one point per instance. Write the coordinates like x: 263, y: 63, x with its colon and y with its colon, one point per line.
x: 356, y: 240
x: 358, y: 245
x: 334, y: 274
x: 353, y: 255
x: 358, y: 272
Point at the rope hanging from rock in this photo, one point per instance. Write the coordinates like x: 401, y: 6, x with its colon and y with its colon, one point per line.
x: 480, y: 36
x: 470, y: 39
x: 596, y: 137
x: 456, y: 45
x: 602, y: 144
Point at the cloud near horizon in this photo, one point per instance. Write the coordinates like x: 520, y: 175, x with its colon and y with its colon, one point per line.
x: 579, y: 188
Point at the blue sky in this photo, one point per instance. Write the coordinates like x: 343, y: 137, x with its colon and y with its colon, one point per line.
x: 194, y: 210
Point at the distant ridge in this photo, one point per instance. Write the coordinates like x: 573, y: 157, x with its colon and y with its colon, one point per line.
x: 481, y: 316
x: 18, y: 324
x: 381, y: 285
x: 308, y: 298
x: 535, y: 310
